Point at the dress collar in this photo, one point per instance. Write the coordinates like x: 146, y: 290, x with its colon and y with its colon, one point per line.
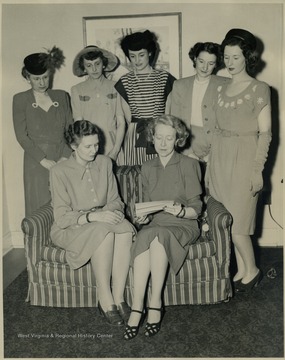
x: 175, y: 158
x: 80, y: 168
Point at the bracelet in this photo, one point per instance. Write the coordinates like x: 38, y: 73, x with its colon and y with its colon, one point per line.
x: 87, y: 217
x: 181, y: 213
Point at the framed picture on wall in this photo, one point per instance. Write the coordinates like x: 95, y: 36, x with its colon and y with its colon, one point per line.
x: 107, y: 31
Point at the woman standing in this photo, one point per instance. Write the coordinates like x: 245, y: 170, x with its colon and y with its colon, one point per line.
x: 144, y: 92
x: 40, y: 117
x: 89, y: 218
x: 95, y: 99
x: 191, y: 99
x: 166, y: 239
x: 239, y: 148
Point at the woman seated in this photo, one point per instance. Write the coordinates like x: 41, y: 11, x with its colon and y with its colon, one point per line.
x: 89, y: 218
x: 166, y: 239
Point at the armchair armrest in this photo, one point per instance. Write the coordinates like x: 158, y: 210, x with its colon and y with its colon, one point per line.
x: 220, y: 221
x: 36, y: 229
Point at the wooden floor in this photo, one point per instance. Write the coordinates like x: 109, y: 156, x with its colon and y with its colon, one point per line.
x: 14, y: 262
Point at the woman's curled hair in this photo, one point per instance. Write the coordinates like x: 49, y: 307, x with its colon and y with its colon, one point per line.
x: 181, y: 130
x: 92, y: 55
x: 141, y: 40
x: 80, y: 128
x: 251, y: 55
x: 209, y: 47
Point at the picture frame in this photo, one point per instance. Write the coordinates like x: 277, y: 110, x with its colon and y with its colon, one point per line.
x: 107, y: 31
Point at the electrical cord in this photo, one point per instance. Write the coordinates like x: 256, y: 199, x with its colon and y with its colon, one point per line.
x: 270, y: 213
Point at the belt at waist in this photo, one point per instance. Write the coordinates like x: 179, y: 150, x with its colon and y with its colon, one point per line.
x: 140, y: 120
x: 229, y: 133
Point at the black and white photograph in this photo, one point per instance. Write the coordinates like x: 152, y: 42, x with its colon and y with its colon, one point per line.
x: 150, y: 223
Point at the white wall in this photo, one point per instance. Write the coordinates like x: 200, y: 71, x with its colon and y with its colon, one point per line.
x: 29, y: 28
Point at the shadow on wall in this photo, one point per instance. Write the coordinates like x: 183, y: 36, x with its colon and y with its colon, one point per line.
x: 265, y: 196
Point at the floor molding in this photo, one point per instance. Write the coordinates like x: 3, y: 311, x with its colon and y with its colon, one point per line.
x: 14, y: 262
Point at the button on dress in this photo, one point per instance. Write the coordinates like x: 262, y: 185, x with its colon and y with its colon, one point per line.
x: 41, y: 135
x: 75, y: 190
x: 179, y: 182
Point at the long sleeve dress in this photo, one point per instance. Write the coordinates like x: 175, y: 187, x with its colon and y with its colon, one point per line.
x: 143, y: 97
x: 75, y: 190
x: 233, y: 152
x: 41, y: 135
x: 179, y: 182
x: 97, y: 101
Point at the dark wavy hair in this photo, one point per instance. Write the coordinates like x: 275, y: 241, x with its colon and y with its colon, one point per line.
x: 141, y: 40
x: 209, y: 47
x: 181, y: 131
x: 92, y: 55
x: 80, y: 128
x: 251, y: 56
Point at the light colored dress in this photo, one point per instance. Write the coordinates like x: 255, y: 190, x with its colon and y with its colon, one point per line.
x: 97, y: 101
x: 41, y: 135
x: 179, y: 182
x: 77, y: 189
x: 233, y: 152
x: 143, y: 97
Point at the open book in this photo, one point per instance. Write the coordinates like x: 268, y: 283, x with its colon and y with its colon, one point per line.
x: 150, y: 207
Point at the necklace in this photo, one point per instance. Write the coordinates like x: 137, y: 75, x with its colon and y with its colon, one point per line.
x: 142, y: 77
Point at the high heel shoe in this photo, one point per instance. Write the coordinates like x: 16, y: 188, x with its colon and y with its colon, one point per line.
x: 132, y: 331
x: 112, y: 316
x: 243, y: 288
x: 152, y: 329
x: 236, y: 283
x: 124, y: 310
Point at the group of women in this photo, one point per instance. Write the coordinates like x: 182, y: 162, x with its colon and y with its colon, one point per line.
x: 204, y: 131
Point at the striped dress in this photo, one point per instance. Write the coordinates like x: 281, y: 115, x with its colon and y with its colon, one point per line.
x: 145, y: 95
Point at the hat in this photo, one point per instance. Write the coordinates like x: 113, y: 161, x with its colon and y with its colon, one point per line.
x: 244, y: 35
x: 39, y: 63
x: 113, y: 60
x: 35, y: 63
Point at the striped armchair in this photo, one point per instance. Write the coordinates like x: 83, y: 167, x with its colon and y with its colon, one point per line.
x: 203, y: 279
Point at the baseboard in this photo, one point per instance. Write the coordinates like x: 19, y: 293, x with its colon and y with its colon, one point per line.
x: 14, y: 262
x: 12, y: 240
x: 271, y: 238
x: 7, y: 243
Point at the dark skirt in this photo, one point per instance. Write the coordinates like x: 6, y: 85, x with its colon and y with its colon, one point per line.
x: 176, y: 235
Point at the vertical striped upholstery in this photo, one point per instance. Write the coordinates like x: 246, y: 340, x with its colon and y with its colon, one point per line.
x: 203, y: 279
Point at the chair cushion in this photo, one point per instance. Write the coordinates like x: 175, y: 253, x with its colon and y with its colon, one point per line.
x: 201, y: 249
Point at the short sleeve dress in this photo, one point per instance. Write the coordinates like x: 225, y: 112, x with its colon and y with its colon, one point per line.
x: 41, y: 135
x: 146, y: 96
x: 179, y: 182
x: 233, y: 152
x: 75, y: 190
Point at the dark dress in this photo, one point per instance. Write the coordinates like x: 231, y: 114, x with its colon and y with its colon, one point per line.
x: 41, y: 135
x: 179, y: 182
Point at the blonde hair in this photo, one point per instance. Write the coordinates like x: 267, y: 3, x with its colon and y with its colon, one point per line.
x: 181, y: 131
